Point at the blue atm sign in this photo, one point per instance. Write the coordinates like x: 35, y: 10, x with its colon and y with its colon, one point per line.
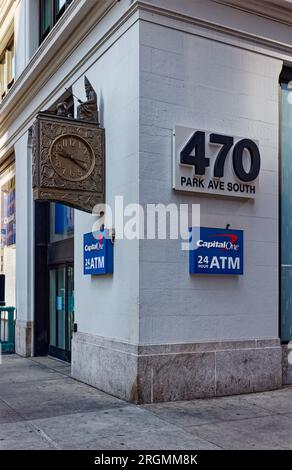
x: 97, y: 253
x: 216, y: 251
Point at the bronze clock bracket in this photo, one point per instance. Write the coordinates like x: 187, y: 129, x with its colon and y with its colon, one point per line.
x: 70, y: 170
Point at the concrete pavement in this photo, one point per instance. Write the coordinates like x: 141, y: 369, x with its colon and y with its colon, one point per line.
x: 42, y: 407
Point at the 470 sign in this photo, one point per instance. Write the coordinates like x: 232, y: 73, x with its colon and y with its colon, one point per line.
x: 207, y: 162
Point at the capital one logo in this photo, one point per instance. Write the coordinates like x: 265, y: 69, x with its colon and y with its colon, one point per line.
x: 229, y: 244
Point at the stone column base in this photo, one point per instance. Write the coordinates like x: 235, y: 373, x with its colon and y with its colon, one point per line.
x: 108, y: 365
x: 24, y: 338
x: 287, y: 367
x: 158, y: 373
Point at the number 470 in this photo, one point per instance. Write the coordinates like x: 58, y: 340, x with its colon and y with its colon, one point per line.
x: 194, y: 153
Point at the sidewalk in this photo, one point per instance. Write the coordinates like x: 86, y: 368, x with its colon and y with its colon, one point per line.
x: 41, y: 407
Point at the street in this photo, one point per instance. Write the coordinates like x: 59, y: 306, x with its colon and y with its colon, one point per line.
x: 42, y: 407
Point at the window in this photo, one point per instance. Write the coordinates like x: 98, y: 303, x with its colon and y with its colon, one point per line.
x: 51, y: 11
x: 8, y: 231
x: 60, y: 4
x: 7, y: 68
x: 286, y: 206
x: 61, y: 222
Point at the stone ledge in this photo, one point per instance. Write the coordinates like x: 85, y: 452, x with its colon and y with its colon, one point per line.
x: 278, y: 10
x: 146, y: 349
x: 176, y: 372
x: 207, y: 346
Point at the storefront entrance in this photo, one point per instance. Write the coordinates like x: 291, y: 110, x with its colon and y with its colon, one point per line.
x: 54, y: 280
x: 61, y: 306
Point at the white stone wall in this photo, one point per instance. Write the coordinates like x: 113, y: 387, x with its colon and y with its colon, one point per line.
x: 26, y: 33
x: 24, y: 231
x: 109, y: 306
x: 195, y: 82
x: 185, y: 79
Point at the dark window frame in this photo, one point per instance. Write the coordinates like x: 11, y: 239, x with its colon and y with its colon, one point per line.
x: 10, y: 45
x: 286, y: 75
x: 55, y: 16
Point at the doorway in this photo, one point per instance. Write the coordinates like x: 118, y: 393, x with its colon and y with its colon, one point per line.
x: 54, y: 280
x: 61, y: 310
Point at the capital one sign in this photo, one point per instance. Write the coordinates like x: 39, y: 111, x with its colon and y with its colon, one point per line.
x: 216, y: 251
x: 211, y: 163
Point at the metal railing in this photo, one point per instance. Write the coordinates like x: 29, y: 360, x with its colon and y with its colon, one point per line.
x: 7, y: 329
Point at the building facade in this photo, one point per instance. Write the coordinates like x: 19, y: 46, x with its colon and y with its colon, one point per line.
x: 151, y: 331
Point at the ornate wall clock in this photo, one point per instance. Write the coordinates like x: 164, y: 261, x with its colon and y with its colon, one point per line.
x: 72, y: 157
x: 68, y: 158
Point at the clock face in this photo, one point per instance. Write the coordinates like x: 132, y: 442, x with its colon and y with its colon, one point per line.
x: 72, y: 157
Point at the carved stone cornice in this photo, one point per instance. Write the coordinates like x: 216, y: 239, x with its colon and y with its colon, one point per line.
x: 66, y: 35
x: 7, y: 11
x: 5, y: 7
x: 277, y: 10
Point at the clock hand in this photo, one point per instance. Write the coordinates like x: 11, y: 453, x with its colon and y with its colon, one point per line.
x: 77, y: 162
x: 75, y: 159
x: 64, y: 155
x: 71, y: 157
x: 79, y: 159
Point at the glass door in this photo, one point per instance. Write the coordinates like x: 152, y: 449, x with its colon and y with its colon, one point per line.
x: 286, y: 211
x: 70, y: 309
x: 61, y: 306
